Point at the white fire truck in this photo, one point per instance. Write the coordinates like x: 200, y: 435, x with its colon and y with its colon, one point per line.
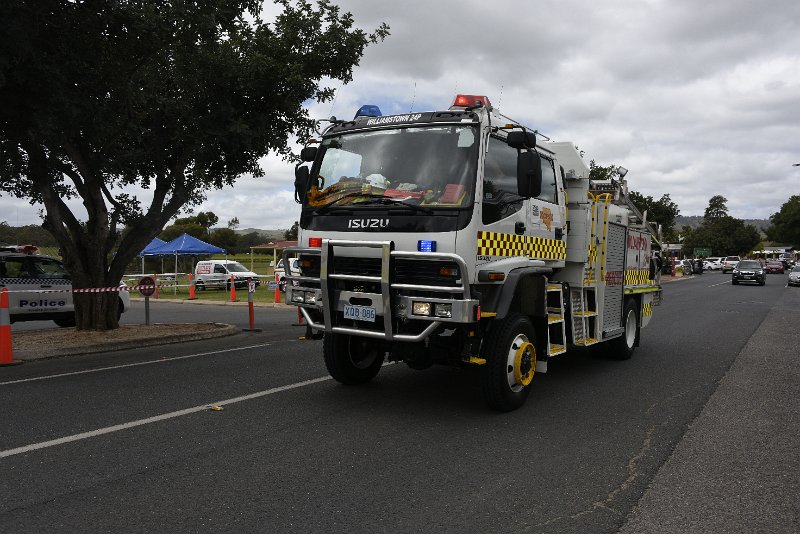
x: 453, y: 237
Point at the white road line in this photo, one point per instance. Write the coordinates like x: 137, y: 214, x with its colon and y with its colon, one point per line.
x: 155, y: 419
x: 163, y: 360
x: 720, y: 284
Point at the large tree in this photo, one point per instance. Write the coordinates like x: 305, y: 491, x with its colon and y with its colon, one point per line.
x: 102, y: 97
x: 785, y: 227
x: 723, y: 234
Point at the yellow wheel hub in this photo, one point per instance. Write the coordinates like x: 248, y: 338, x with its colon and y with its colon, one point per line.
x: 525, y: 363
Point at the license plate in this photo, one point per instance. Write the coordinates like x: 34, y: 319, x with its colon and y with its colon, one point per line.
x: 747, y: 276
x: 359, y: 313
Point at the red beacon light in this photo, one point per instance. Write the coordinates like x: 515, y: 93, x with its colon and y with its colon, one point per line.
x: 471, y: 101
x: 315, y: 242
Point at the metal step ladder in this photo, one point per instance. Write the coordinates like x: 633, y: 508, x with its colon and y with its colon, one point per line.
x: 556, y: 331
x: 584, y: 316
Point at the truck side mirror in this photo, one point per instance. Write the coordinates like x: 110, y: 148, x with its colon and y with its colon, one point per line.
x: 521, y: 139
x: 300, y: 182
x: 308, y: 154
x: 529, y: 174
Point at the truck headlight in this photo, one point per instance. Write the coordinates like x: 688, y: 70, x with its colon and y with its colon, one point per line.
x: 311, y: 297
x: 421, y: 308
x: 443, y: 310
x: 298, y: 296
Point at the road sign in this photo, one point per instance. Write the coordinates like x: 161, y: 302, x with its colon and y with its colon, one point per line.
x: 147, y: 281
x: 702, y: 251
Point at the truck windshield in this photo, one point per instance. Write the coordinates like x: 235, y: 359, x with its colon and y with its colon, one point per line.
x: 421, y: 166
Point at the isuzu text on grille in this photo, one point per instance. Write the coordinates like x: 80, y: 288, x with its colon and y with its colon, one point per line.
x: 368, y: 223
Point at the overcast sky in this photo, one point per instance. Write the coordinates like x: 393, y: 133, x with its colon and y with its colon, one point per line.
x: 694, y: 98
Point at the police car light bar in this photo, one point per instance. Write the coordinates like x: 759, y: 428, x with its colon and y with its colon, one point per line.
x: 368, y: 110
x: 471, y: 101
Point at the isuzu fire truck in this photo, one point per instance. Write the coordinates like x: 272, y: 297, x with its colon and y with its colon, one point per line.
x: 454, y: 237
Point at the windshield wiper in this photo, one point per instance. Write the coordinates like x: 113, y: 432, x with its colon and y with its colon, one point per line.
x: 379, y: 199
x: 371, y: 198
x: 333, y: 204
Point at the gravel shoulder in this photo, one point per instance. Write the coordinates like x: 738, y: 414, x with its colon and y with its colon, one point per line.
x: 54, y: 343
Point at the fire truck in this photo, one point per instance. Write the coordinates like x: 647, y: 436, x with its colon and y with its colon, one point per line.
x: 462, y: 237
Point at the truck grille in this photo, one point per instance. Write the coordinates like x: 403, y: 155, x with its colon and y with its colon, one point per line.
x: 406, y: 271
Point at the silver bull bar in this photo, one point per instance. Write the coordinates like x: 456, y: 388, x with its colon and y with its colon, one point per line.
x: 329, y: 300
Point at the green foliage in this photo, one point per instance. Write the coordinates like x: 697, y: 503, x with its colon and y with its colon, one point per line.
x: 225, y: 238
x: 192, y: 228
x: 599, y: 172
x: 723, y: 235
x: 291, y: 233
x: 716, y: 208
x: 248, y: 240
x: 785, y: 228
x: 662, y: 211
x: 172, y: 96
x: 31, y: 234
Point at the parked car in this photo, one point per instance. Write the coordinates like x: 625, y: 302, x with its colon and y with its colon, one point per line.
x: 713, y: 264
x: 775, y: 267
x: 749, y: 271
x: 729, y: 263
x: 697, y: 266
x: 28, y: 278
x: 217, y: 273
x: 280, y: 272
x: 687, y: 267
x: 794, y: 276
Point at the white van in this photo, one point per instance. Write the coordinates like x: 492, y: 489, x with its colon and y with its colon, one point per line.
x: 30, y: 278
x: 217, y: 273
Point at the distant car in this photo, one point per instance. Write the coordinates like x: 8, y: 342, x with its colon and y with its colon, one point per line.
x: 794, y: 276
x: 280, y: 272
x: 749, y: 271
x: 713, y: 264
x: 775, y: 267
x: 729, y: 262
x: 687, y: 267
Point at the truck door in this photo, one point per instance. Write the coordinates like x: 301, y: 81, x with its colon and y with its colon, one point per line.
x: 504, y: 212
x: 546, y: 217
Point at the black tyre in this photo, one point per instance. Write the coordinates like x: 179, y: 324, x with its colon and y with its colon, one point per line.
x: 735, y: 282
x: 351, y: 360
x: 200, y: 286
x: 510, y: 353
x: 622, y: 348
x: 67, y: 321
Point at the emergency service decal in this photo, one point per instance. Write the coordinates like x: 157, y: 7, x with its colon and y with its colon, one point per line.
x: 392, y: 119
x: 613, y: 278
x: 547, y: 218
x: 497, y: 244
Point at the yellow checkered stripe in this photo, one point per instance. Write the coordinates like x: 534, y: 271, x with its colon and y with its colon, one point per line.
x: 637, y: 278
x: 592, y: 253
x: 647, y: 310
x: 497, y: 244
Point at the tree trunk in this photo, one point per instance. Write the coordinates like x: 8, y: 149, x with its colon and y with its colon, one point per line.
x: 96, y: 311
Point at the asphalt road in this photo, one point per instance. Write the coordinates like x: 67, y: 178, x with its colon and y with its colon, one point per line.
x: 88, y: 446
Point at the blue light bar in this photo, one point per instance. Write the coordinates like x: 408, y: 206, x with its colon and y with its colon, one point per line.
x: 368, y: 110
x: 426, y: 246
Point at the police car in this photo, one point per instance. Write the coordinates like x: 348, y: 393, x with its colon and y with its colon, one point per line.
x: 26, y: 274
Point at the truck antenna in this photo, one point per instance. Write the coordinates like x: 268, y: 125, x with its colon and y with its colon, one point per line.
x: 413, y: 98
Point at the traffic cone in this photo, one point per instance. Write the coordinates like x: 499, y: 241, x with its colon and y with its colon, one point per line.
x: 6, y: 350
x: 277, y: 290
x: 301, y: 320
x: 191, y: 287
x: 155, y: 280
x: 233, y: 289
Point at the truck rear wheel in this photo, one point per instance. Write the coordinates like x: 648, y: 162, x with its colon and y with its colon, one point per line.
x: 351, y: 360
x: 510, y: 362
x: 622, y: 348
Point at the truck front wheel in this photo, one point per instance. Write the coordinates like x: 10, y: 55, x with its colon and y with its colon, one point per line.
x: 351, y: 360
x: 510, y: 362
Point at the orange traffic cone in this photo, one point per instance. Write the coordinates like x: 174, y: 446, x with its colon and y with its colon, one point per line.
x: 277, y: 290
x: 191, y: 287
x: 233, y: 289
x: 6, y: 350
